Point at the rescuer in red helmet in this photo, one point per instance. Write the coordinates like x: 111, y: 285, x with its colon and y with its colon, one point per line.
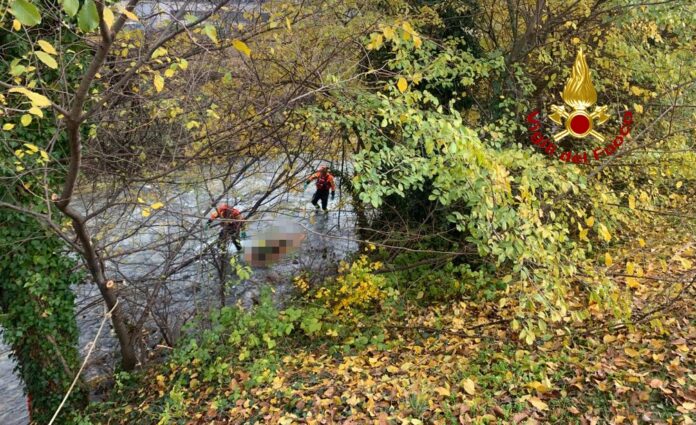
x: 324, y: 183
x: 231, y: 224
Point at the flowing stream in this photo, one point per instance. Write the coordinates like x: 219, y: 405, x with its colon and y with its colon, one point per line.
x: 325, y: 239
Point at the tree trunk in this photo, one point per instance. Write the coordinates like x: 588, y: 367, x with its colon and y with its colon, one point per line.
x: 89, y: 254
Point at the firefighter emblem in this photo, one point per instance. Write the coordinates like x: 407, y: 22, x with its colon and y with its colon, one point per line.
x: 579, y: 95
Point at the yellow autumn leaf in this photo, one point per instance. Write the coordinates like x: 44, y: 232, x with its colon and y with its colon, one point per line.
x: 417, y: 41
x: 169, y: 73
x: 686, y: 264
x: 288, y: 25
x: 641, y: 242
x: 353, y: 401
x: 376, y: 42
x: 183, y: 64
x: 388, y: 33
x: 631, y: 352
x: 16, y: 25
x: 537, y: 403
x: 130, y: 15
x: 589, y: 221
x: 529, y: 336
x: 211, y: 32
x: 146, y: 212
x: 539, y: 387
x: 632, y: 282
x: 542, y: 388
x: 402, y: 85
x: 638, y: 108
x: 156, y: 205
x: 35, y: 98
x: 608, y: 260
x: 8, y: 126
x: 636, y: 90
x: 606, y: 235
x: 32, y: 147
x: 679, y: 184
x: 443, y: 391
x: 36, y: 111
x: 631, y: 202
x: 469, y: 386
x: 25, y: 120
x: 108, y: 17
x: 608, y: 339
x: 159, y: 83
x: 583, y: 235
x: 46, y: 59
x: 407, y: 27
x: 47, y: 47
x: 242, y: 47
x: 44, y: 155
x: 630, y: 268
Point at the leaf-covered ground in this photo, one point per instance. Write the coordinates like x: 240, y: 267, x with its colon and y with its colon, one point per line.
x: 463, y: 374
x: 461, y: 362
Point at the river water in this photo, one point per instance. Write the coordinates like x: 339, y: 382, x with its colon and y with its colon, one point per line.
x: 193, y: 290
x: 12, y: 402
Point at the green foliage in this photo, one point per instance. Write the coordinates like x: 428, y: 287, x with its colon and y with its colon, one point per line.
x: 437, y: 282
x: 240, y: 271
x: 421, y: 144
x: 88, y: 18
x: 26, y: 13
x: 37, y: 312
x: 466, y: 170
x: 71, y: 7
